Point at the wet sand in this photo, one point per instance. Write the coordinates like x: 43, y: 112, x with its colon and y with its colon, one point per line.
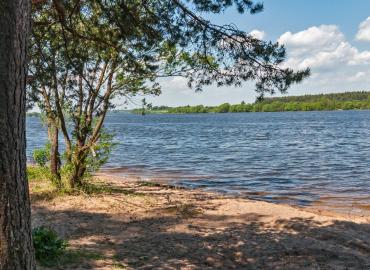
x: 154, y: 226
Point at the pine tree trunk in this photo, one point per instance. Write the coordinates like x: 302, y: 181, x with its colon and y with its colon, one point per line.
x: 16, y: 249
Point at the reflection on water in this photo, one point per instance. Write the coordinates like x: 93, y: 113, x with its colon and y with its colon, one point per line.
x: 300, y: 158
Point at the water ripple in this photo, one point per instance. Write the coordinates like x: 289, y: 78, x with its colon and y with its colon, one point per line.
x: 297, y: 157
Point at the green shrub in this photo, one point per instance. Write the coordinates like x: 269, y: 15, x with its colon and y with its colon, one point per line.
x: 42, y: 155
x: 48, y: 246
x: 100, y: 152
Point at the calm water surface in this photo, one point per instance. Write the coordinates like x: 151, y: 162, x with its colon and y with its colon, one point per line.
x: 301, y: 158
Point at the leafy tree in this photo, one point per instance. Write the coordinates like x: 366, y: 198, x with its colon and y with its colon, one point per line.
x: 87, y: 53
x: 223, y: 108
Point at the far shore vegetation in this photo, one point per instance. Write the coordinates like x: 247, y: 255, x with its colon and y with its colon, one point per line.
x: 33, y: 114
x: 359, y: 100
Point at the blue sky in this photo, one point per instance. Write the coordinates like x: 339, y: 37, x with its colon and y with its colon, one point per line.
x: 330, y: 36
x: 281, y: 16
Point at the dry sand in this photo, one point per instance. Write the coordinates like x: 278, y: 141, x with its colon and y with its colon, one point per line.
x: 139, y: 226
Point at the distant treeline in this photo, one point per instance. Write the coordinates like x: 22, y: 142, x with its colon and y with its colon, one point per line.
x: 323, y: 102
x: 33, y: 114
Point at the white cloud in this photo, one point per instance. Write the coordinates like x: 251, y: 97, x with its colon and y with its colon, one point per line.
x: 363, y: 33
x: 258, y: 34
x: 327, y: 52
x: 361, y: 58
x: 314, y: 38
x: 337, y: 65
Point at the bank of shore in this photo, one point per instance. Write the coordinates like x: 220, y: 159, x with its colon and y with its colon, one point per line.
x: 139, y: 225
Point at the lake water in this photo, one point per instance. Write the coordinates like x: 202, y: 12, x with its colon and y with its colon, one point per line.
x: 300, y: 158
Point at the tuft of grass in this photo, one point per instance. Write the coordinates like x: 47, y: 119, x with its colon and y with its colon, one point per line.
x: 42, y: 186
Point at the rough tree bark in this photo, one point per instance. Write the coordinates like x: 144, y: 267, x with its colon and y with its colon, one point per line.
x: 16, y: 249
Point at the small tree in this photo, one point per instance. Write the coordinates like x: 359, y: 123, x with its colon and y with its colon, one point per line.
x: 95, y: 51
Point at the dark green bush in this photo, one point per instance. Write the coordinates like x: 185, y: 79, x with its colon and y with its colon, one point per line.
x: 48, y: 245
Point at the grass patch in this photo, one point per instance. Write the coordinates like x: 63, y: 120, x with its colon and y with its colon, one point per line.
x: 37, y: 173
x: 41, y: 185
x: 43, y: 188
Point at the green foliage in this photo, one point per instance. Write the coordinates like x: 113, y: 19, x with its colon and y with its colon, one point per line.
x: 50, y: 250
x: 97, y: 155
x: 42, y: 155
x: 48, y: 245
x: 223, y: 108
x: 323, y: 102
x: 340, y: 101
x: 100, y: 151
x: 66, y: 171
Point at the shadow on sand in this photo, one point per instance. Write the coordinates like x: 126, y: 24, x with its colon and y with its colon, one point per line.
x: 211, y: 242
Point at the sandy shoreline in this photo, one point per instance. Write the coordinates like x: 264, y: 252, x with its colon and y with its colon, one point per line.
x: 329, y: 205
x: 147, y: 226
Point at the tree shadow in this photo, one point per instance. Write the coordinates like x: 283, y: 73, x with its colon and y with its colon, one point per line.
x: 162, y: 241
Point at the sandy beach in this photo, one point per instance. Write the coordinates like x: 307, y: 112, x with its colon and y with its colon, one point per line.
x: 141, y: 225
